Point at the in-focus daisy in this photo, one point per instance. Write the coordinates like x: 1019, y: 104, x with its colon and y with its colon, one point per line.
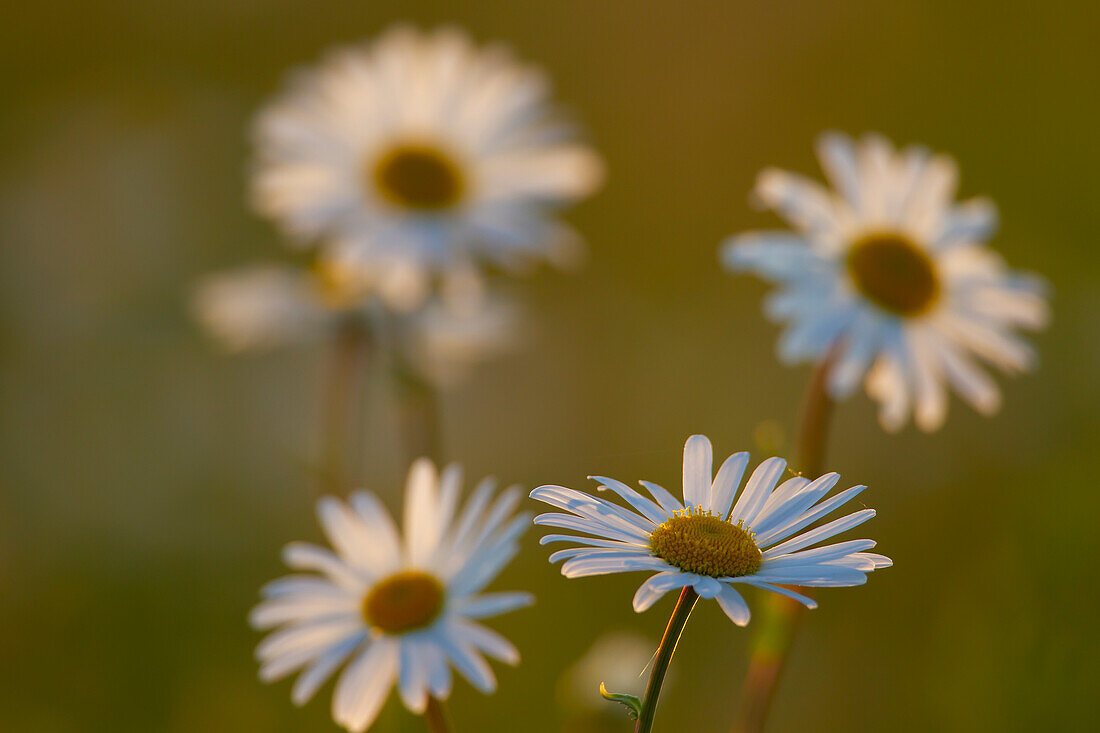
x: 710, y: 543
x: 265, y: 306
x: 398, y: 610
x: 891, y: 277
x: 421, y: 154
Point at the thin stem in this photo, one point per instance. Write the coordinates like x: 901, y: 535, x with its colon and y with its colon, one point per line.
x: 771, y: 645
x: 343, y: 417
x: 814, y: 422
x: 675, y: 627
x: 419, y: 415
x: 436, y: 716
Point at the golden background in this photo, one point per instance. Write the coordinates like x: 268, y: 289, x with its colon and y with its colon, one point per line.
x: 147, y: 482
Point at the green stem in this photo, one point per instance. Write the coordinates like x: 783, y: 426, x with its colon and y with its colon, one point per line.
x: 675, y: 627
x: 771, y: 645
x: 418, y: 416
x: 436, y: 717
x: 343, y: 402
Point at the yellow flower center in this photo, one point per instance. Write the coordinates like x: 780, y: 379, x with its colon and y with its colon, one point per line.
x: 339, y: 286
x: 418, y: 176
x: 893, y: 273
x: 697, y: 541
x: 404, y: 602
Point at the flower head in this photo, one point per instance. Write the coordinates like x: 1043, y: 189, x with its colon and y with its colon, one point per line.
x: 265, y: 306
x: 421, y: 154
x: 403, y: 610
x: 709, y: 542
x: 891, y: 278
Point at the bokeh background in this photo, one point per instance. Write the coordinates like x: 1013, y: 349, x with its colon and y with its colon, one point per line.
x: 148, y: 481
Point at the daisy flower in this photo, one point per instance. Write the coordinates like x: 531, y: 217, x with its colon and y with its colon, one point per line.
x: 266, y: 306
x: 422, y: 155
x: 403, y: 610
x: 891, y: 278
x: 710, y: 543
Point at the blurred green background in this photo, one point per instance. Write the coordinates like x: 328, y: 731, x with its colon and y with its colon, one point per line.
x: 148, y: 482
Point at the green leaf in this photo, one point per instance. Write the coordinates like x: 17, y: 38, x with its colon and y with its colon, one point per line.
x: 633, y: 704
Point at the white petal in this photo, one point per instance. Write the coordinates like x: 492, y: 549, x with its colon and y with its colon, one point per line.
x: 412, y: 673
x: 584, y: 524
x: 779, y: 502
x: 726, y: 483
x: 837, y: 154
x: 707, y: 587
x: 487, y: 641
x: 304, y: 556
x: 783, y: 591
x: 821, y: 554
x: 824, y: 575
x: 364, y: 685
x: 492, y: 604
x: 600, y: 510
x: 880, y: 561
x: 966, y: 223
x: 757, y: 490
x: 591, y: 541
x: 802, y: 202
x: 345, y: 531
x: 774, y: 255
x: 421, y: 527
x: 584, y: 566
x: 439, y: 673
x: 468, y: 662
x: 314, y: 635
x: 657, y: 585
x: 667, y: 501
x: 571, y: 552
x: 322, y: 668
x: 733, y: 605
x: 821, y: 533
x: 651, y: 511
x: 697, y: 471
x: 782, y: 515
x: 384, y: 551
x: 798, y: 521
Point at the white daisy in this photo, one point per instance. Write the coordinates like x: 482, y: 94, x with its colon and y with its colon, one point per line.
x: 421, y: 154
x: 403, y: 610
x: 892, y: 279
x: 444, y: 342
x: 617, y: 660
x: 703, y: 544
x: 265, y: 306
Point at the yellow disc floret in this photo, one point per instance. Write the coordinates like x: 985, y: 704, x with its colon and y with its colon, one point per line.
x: 404, y: 602
x: 418, y: 176
x: 894, y: 273
x: 697, y: 541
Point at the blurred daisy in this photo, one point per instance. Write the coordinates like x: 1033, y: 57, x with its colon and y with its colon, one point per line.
x: 617, y: 660
x: 266, y: 306
x: 421, y: 155
x: 403, y: 610
x: 892, y: 279
x: 445, y: 342
x: 703, y: 543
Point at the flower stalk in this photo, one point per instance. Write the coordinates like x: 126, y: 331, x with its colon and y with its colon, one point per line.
x: 343, y: 414
x: 435, y: 716
x: 418, y: 414
x: 671, y: 638
x: 772, y: 642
